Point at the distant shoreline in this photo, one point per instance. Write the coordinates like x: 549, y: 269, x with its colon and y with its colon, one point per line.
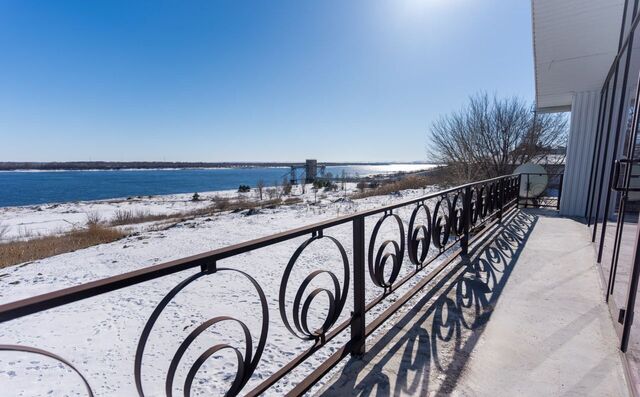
x: 164, y: 165
x: 36, y: 186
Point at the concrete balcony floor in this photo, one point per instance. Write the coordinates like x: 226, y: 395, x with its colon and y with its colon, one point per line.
x: 523, y: 316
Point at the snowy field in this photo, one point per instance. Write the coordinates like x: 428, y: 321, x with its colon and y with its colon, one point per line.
x: 46, y: 219
x: 99, y: 335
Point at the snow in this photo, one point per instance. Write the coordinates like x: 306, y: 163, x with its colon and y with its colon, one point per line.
x: 99, y: 335
x: 46, y: 219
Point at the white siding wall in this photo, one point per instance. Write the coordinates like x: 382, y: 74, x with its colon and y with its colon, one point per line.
x: 582, y: 132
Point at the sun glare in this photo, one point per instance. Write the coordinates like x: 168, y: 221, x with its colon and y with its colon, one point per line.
x: 418, y: 9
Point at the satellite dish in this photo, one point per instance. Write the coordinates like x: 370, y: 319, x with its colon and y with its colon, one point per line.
x: 534, y: 182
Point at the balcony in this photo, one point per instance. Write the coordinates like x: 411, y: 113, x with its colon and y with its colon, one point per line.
x: 524, y: 317
x: 458, y: 291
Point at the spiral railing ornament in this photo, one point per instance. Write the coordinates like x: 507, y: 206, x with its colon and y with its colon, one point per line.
x: 336, y: 297
x: 510, y: 186
x: 419, y: 235
x: 246, y: 362
x: 41, y: 352
x: 475, y: 203
x: 379, y: 262
x: 492, y: 196
x: 456, y: 213
x: 483, y: 195
x: 483, y: 198
x: 441, y: 226
x: 514, y: 188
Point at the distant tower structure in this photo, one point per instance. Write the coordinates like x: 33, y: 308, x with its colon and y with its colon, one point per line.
x: 311, y: 170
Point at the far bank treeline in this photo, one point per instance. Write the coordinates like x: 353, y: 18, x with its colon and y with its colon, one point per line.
x: 121, y: 165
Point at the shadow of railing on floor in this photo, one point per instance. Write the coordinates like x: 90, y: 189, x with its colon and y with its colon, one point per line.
x: 427, y: 349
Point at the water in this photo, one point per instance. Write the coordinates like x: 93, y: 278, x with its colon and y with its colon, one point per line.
x: 27, y: 188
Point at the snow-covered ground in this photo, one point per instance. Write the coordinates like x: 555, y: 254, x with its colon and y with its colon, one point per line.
x: 46, y: 219
x: 99, y: 335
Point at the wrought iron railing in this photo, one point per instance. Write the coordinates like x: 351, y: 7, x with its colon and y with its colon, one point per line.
x: 441, y: 225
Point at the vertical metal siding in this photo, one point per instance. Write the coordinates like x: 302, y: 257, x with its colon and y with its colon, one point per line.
x: 582, y: 133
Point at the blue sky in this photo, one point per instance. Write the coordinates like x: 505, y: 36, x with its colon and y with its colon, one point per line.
x: 238, y: 80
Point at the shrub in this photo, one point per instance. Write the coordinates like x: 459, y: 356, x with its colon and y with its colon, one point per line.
x: 94, y: 218
x: 195, y: 197
x: 331, y: 187
x: 222, y: 203
x: 324, y: 183
x: 272, y: 193
x: 244, y: 189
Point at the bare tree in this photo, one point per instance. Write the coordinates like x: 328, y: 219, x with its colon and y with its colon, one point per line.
x: 260, y: 187
x: 490, y: 136
x: 272, y: 193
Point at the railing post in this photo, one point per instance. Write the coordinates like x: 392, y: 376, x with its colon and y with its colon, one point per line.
x: 526, y: 197
x: 500, y: 199
x: 518, y: 191
x: 560, y: 191
x: 358, y: 314
x: 466, y: 221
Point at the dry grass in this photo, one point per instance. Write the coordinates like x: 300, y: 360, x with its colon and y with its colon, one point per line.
x: 410, y: 182
x: 292, y: 200
x: 226, y: 204
x: 14, y: 252
x: 219, y: 204
x: 130, y: 217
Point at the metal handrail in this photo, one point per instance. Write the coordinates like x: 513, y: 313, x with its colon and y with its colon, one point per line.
x: 458, y: 212
x: 19, y: 308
